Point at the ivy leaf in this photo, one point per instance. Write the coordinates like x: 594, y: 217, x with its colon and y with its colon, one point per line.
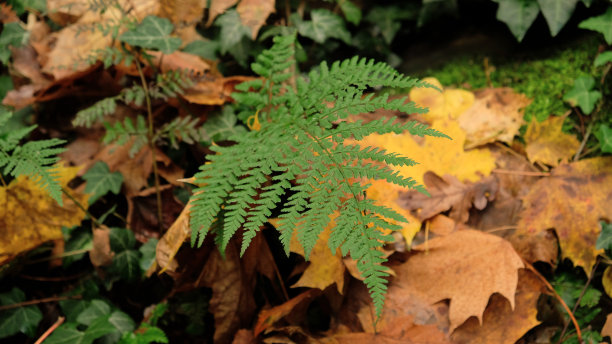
x: 12, y: 35
x: 604, y: 136
x: 387, y: 20
x: 352, y: 13
x: 121, y: 239
x: 127, y: 265
x: 147, y: 253
x: 96, y: 309
x: 121, y: 321
x: 22, y: 319
x: 603, y: 58
x: 583, y: 95
x: 100, y: 181
x: 518, y: 15
x: 557, y: 13
x: 205, y: 49
x: 232, y: 30
x: 153, y: 33
x: 601, y: 24
x: 222, y: 126
x: 323, y: 24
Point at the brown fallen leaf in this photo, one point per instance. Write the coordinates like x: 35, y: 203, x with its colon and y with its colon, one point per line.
x: 185, y: 15
x: 541, y: 247
x: 268, y: 317
x: 495, y: 115
x: 547, y: 143
x: 253, y: 14
x: 606, y: 331
x: 30, y: 217
x: 244, y: 336
x: 171, y: 242
x: 571, y: 200
x: 218, y: 7
x: 501, y: 323
x: 448, y: 193
x: 101, y: 253
x: 467, y: 267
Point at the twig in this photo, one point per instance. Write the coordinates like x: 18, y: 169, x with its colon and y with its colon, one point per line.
x: 502, y: 228
x: 584, y: 141
x: 150, y: 135
x: 50, y: 330
x: 80, y: 206
x: 579, y: 299
x: 522, y: 173
x: 35, y: 302
x: 65, y: 254
x: 558, y: 297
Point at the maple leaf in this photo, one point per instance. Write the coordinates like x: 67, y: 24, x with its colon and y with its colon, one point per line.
x: 449, y: 193
x: 467, y: 267
x: 571, y: 200
x: 496, y: 115
x: 502, y: 324
x: 443, y: 105
x: 30, y: 217
x: 547, y: 143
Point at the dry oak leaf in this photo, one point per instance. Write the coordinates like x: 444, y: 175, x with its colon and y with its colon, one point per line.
x: 442, y: 105
x: 325, y: 268
x: 30, y: 217
x: 268, y: 317
x: 253, y: 13
x: 467, y: 267
x: 547, y: 143
x: 496, y: 115
x: 571, y: 200
x: 501, y: 324
x: 449, y: 193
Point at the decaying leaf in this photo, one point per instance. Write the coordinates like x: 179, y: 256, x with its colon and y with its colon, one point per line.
x: 496, y: 115
x: 467, y: 267
x: 571, y: 201
x: 30, y: 217
x: 501, y: 323
x: 171, y: 242
x: 253, y: 13
x: 547, y: 143
x: 217, y: 7
x: 607, y: 328
x: 268, y: 317
x: 443, y: 105
x: 448, y: 193
x: 101, y: 253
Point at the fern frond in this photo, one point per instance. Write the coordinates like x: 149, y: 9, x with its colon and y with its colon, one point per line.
x: 96, y: 112
x: 120, y: 133
x: 300, y: 150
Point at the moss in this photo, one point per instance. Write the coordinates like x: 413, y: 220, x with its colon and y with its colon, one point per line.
x: 542, y: 77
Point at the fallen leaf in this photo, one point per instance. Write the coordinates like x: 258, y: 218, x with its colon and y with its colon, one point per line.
x: 101, y: 253
x: 606, y: 331
x: 268, y: 317
x: 185, y: 15
x: 501, y: 323
x: 541, y: 247
x: 171, y: 242
x: 30, y: 217
x: 216, y: 8
x: 253, y: 13
x: 571, y: 200
x: 495, y: 115
x: 467, y: 267
x: 442, y: 225
x: 244, y: 336
x: 547, y: 143
x: 448, y: 193
x: 448, y: 104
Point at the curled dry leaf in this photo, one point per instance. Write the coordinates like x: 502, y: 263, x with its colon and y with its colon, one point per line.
x: 466, y: 267
x: 571, y: 200
x: 101, y: 253
x: 268, y: 317
x: 495, y: 115
x: 448, y: 193
x: 171, y: 242
x: 502, y: 323
x: 547, y: 143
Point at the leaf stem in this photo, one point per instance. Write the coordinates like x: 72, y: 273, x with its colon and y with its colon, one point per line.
x: 38, y: 301
x: 50, y: 330
x: 80, y: 206
x: 150, y: 136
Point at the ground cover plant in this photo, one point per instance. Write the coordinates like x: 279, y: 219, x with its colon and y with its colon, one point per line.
x: 261, y: 172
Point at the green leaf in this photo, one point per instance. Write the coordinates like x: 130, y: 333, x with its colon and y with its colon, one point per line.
x: 603, y: 58
x: 604, y: 136
x: 6, y: 84
x: 232, y: 30
x: 12, y: 35
x: 153, y: 33
x: 601, y: 24
x: 604, y: 241
x: 127, y: 265
x: 352, y: 13
x: 205, y: 49
x: 557, y: 13
x: 147, y: 252
x: 518, y: 15
x: 222, y: 126
x: 67, y: 334
x: 78, y: 240
x: 95, y: 309
x: 16, y: 320
x: 323, y: 24
x: 100, y: 181
x: 583, y: 95
x: 590, y: 298
x: 121, y: 239
x: 387, y: 20
x: 146, y: 334
x: 121, y: 321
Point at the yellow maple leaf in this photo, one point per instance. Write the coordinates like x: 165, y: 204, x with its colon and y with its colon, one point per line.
x: 30, y: 217
x: 547, y: 143
x: 442, y: 105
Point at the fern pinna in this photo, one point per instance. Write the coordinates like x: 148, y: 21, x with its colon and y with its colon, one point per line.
x: 300, y: 150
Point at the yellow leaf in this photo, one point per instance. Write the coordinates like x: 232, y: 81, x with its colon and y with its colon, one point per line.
x: 547, y: 143
x: 29, y: 217
x: 442, y: 105
x: 606, y: 280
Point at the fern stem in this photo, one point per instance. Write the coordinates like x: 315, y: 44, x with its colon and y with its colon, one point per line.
x: 150, y: 135
x: 80, y: 206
